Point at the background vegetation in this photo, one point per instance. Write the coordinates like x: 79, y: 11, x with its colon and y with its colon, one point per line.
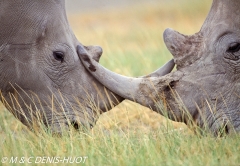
x: 129, y: 134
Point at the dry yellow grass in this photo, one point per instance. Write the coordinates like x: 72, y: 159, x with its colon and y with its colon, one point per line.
x: 129, y: 134
x: 132, y: 38
x: 132, y: 117
x: 123, y: 31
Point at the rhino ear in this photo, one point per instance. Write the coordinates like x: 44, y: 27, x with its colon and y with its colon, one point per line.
x: 95, y: 52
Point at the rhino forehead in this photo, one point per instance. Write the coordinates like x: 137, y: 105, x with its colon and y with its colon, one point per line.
x: 26, y: 21
x: 222, y: 13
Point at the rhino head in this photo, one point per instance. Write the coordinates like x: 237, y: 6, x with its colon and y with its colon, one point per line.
x: 42, y: 77
x: 206, y: 85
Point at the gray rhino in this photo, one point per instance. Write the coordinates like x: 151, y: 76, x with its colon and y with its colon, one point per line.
x: 205, y: 88
x: 42, y: 77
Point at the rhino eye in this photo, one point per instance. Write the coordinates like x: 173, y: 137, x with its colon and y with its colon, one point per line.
x: 58, y: 55
x: 234, y: 47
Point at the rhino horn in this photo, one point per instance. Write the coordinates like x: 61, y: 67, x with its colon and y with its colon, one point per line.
x: 182, y: 47
x: 207, y: 73
x: 165, y: 69
x: 135, y: 89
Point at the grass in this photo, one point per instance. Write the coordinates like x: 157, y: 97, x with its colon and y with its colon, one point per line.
x: 129, y: 134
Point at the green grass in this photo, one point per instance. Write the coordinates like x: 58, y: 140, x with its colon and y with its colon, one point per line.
x: 163, y: 147
x: 129, y: 134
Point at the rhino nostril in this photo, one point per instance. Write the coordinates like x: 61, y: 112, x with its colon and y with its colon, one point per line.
x: 226, y: 129
x: 75, y: 125
x: 81, y: 126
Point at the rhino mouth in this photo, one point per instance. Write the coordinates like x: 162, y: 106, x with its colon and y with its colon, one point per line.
x: 59, y: 125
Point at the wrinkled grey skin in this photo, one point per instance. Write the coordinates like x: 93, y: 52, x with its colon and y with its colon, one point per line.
x: 205, y: 89
x: 42, y: 77
x: 33, y: 35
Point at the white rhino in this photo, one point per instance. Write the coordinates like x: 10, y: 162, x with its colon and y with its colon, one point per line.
x: 42, y: 77
x: 205, y: 88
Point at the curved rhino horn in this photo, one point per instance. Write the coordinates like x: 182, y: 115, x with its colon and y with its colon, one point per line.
x: 135, y: 89
x: 165, y: 69
x: 203, y: 63
x: 185, y: 48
